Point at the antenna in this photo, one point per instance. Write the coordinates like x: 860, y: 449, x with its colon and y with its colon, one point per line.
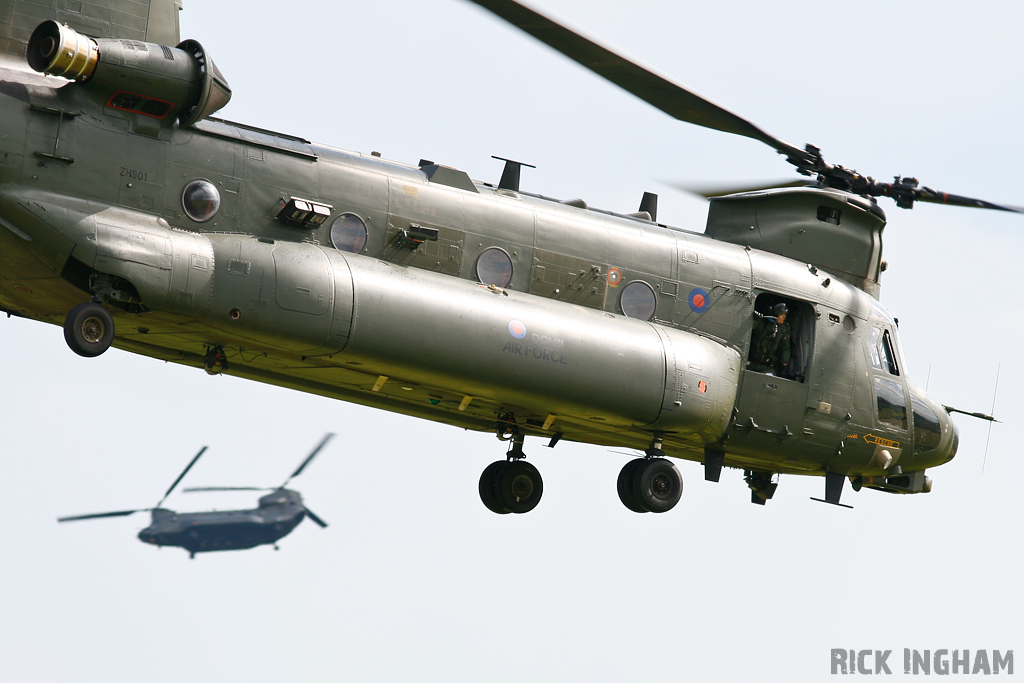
x: 989, y: 437
x: 510, y: 175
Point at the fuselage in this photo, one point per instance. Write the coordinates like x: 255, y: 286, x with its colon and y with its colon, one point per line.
x: 201, y: 532
x: 592, y: 326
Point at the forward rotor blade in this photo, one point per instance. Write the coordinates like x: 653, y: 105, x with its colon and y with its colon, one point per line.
x: 194, y: 489
x: 926, y: 194
x: 98, y: 515
x: 323, y: 442
x: 658, y: 91
x: 709, y: 191
x: 309, y: 513
x: 182, y: 475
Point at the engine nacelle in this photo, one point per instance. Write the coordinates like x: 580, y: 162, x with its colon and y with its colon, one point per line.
x: 144, y: 78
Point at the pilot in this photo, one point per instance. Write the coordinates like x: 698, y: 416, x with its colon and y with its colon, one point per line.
x: 770, y: 343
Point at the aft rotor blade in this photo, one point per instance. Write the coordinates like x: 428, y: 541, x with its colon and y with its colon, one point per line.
x: 309, y: 513
x: 673, y: 99
x: 182, y: 475
x: 98, y: 515
x: 193, y: 489
x: 323, y: 442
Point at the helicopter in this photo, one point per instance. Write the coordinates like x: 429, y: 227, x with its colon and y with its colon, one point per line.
x: 276, y: 515
x: 330, y: 265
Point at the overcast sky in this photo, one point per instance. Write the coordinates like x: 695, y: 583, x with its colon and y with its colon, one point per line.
x: 414, y: 579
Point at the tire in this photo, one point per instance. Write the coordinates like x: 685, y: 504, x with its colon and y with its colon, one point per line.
x: 626, y: 488
x: 89, y: 329
x: 519, y: 487
x: 488, y: 487
x: 658, y: 485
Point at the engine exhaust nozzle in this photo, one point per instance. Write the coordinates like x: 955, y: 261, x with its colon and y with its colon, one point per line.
x: 57, y: 50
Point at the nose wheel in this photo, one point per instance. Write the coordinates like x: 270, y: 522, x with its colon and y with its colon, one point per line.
x: 89, y: 329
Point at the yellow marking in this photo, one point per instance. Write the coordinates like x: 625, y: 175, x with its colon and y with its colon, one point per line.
x: 550, y: 421
x: 379, y: 383
x: 879, y: 441
x: 465, y: 402
x: 852, y: 436
x: 410, y: 190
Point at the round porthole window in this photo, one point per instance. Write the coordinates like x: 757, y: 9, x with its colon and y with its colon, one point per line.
x: 348, y: 233
x: 638, y: 300
x: 200, y: 200
x: 494, y: 267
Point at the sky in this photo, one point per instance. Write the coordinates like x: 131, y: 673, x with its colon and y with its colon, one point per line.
x: 414, y: 579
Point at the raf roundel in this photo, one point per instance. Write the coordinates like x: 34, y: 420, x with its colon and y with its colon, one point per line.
x: 517, y: 329
x: 699, y: 300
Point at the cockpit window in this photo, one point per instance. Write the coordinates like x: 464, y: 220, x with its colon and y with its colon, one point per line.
x: 927, y: 429
x: 883, y: 313
x: 892, y: 403
x: 880, y: 348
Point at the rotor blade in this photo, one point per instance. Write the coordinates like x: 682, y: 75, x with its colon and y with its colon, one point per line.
x: 709, y: 191
x: 658, y: 91
x: 194, y: 489
x: 120, y: 513
x: 323, y: 442
x: 309, y: 513
x: 926, y: 194
x: 182, y: 475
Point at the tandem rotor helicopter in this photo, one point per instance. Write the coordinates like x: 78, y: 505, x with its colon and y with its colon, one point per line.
x: 275, y: 516
x: 133, y: 217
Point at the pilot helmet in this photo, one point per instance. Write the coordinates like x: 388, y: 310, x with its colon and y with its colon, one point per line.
x: 779, y: 309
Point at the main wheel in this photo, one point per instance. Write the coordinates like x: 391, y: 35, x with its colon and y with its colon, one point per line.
x: 519, y: 486
x: 488, y: 487
x: 626, y: 488
x: 658, y: 485
x: 89, y: 329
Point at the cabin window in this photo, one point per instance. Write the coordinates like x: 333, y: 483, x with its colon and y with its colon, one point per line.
x: 200, y: 200
x: 348, y: 233
x: 892, y: 403
x: 638, y: 300
x: 782, y: 349
x: 494, y: 267
x: 927, y: 428
x: 880, y: 348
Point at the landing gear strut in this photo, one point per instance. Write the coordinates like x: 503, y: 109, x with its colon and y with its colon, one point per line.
x: 651, y: 483
x: 762, y: 488
x: 89, y: 329
x: 511, y: 485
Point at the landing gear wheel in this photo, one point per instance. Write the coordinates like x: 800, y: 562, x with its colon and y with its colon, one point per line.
x: 626, y: 488
x: 488, y: 486
x: 658, y: 485
x: 89, y: 329
x: 519, y: 486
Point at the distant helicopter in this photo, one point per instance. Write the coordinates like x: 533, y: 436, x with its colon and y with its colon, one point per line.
x: 277, y: 514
